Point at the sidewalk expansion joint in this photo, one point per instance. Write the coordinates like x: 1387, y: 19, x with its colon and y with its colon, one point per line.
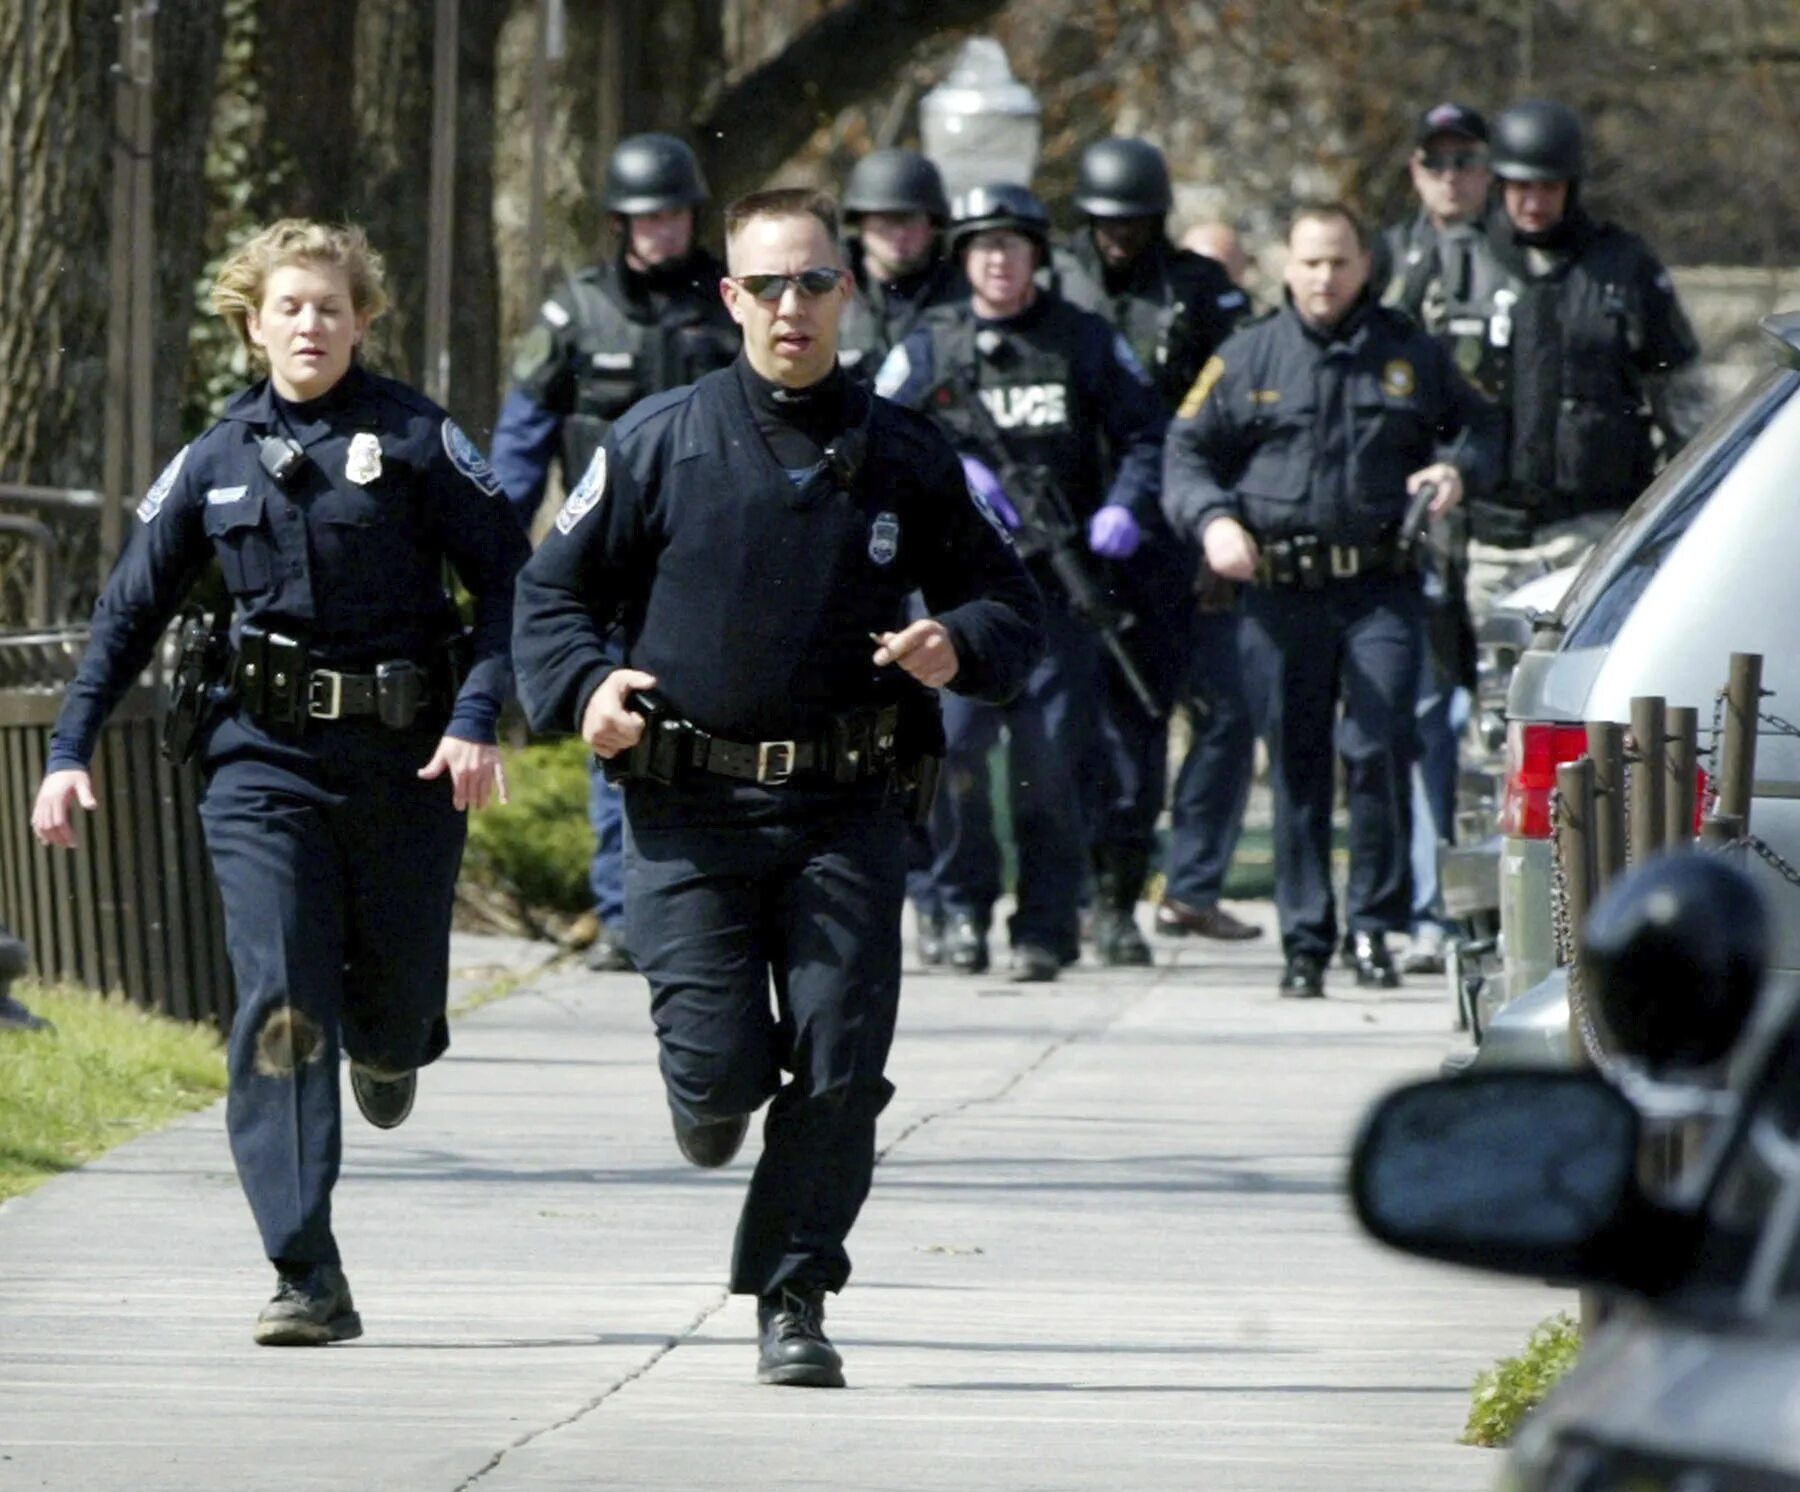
x: 600, y: 1398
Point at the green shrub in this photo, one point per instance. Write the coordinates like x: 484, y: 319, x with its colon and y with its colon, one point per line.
x: 1514, y: 1386
x: 530, y: 858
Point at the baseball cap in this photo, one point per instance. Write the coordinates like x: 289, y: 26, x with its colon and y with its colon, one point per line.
x: 1451, y: 119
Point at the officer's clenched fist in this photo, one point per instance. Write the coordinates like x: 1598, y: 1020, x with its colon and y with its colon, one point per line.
x: 608, y: 724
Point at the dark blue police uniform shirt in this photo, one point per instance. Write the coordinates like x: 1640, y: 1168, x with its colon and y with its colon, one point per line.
x: 1294, y: 430
x: 750, y: 598
x: 1110, y: 388
x: 348, y: 558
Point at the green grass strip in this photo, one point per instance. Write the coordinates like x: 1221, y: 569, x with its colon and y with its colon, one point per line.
x: 108, y: 1072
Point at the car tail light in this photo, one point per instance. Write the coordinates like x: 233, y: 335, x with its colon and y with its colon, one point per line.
x: 1533, y: 753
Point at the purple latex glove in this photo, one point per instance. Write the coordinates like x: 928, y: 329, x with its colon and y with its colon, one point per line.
x: 1113, y: 533
x: 988, y: 491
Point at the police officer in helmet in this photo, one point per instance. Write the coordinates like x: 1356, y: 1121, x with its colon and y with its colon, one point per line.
x: 648, y: 320
x: 1173, y: 307
x: 895, y: 212
x: 1039, y: 397
x: 1293, y: 461
x: 1597, y: 355
x: 722, y: 604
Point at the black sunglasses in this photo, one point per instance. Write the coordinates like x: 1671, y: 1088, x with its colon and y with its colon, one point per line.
x: 811, y: 283
x: 1454, y: 160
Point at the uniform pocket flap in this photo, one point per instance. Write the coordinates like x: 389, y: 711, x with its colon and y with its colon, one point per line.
x: 232, y: 508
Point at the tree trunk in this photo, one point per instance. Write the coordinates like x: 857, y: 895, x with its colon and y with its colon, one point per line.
x: 55, y: 171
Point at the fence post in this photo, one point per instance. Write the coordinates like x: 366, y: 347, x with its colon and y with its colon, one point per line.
x: 1647, y: 808
x: 1683, y: 763
x: 1721, y: 829
x: 1606, y: 749
x: 1737, y: 751
x: 1575, y: 842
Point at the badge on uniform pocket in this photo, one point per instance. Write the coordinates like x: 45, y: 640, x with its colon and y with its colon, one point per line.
x: 363, y: 465
x: 884, y: 538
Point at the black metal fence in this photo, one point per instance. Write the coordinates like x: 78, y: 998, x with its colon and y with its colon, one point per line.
x: 134, y: 910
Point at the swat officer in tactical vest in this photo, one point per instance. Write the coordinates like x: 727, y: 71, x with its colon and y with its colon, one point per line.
x: 1293, y: 460
x: 1036, y: 395
x: 1444, y: 274
x: 651, y: 319
x: 1592, y: 352
x: 1173, y: 308
x: 896, y: 211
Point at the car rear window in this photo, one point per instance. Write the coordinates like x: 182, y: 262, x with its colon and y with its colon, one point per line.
x: 1629, y: 557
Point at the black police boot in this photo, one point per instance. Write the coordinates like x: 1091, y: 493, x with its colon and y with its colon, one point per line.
x: 1374, y: 964
x: 793, y: 1347
x: 1032, y: 964
x: 1118, y: 878
x: 385, y: 1098
x: 933, y: 945
x: 965, y: 946
x: 16, y: 1016
x: 1303, y: 978
x: 607, y: 955
x: 311, y: 1306
x: 711, y: 1143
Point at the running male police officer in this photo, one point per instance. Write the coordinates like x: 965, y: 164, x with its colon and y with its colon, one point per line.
x: 1173, y: 308
x: 1035, y: 393
x: 722, y: 601
x: 896, y: 211
x: 614, y: 334
x: 1292, y: 460
x: 1593, y: 349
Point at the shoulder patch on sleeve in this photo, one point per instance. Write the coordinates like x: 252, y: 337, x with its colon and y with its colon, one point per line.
x: 1202, y: 387
x: 160, y: 488
x: 555, y: 313
x: 587, y: 494
x: 1232, y: 299
x: 467, y: 459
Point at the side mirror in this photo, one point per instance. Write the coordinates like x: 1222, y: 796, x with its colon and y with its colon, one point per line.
x: 1531, y: 1173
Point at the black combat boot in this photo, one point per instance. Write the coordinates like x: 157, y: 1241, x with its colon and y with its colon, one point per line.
x: 711, y: 1142
x: 1374, y: 964
x: 385, y: 1098
x: 1119, y: 872
x: 965, y: 946
x: 311, y: 1306
x: 794, y: 1349
x: 1303, y: 978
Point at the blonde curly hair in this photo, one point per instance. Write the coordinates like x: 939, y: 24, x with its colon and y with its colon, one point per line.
x: 238, y: 287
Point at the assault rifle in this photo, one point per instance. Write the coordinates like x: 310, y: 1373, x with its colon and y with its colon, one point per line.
x: 1049, y: 530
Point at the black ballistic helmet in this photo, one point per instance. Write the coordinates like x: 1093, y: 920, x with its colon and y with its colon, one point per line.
x: 1123, y: 179
x: 895, y: 181
x: 1000, y: 205
x: 1538, y: 140
x: 1673, y: 957
x: 652, y: 173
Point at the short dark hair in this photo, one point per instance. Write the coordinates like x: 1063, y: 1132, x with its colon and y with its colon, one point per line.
x: 781, y: 202
x: 1326, y: 212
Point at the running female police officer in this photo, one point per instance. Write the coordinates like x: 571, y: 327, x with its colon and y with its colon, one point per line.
x: 755, y: 538
x: 356, y: 730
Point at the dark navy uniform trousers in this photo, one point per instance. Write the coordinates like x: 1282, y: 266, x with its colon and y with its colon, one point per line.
x: 736, y: 893
x: 337, y: 867
x: 1354, y: 642
x: 1213, y: 782
x: 1049, y: 729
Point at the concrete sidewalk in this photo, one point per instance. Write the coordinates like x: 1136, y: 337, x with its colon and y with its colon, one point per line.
x: 1107, y: 1248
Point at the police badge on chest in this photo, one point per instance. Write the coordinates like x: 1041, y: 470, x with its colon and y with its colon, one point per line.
x: 363, y: 463
x: 884, y: 538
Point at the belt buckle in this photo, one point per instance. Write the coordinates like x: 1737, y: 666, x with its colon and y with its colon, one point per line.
x: 1346, y: 563
x: 775, y: 762
x: 332, y: 706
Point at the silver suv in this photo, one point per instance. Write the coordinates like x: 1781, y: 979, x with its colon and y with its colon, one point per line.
x: 1705, y: 564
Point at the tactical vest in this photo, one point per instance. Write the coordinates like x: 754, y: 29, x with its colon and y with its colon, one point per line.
x: 618, y: 360
x: 875, y: 322
x: 1162, y: 328
x: 1452, y: 284
x: 1025, y: 376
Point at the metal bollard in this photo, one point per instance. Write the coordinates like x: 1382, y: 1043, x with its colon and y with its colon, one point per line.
x: 1737, y: 749
x: 1574, y: 850
x: 1647, y: 777
x: 1683, y: 763
x: 1721, y: 829
x: 1606, y: 749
